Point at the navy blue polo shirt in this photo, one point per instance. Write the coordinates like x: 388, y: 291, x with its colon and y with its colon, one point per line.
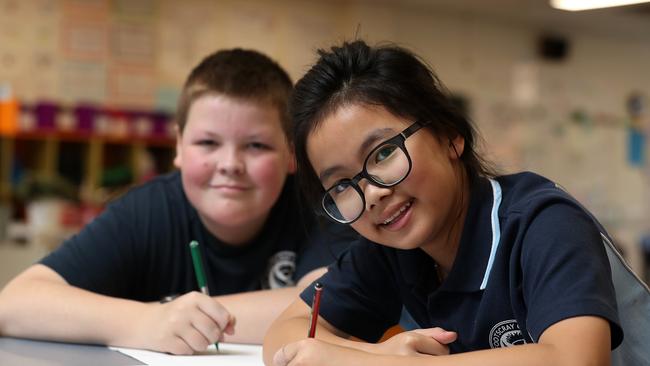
x: 529, y: 257
x: 138, y: 247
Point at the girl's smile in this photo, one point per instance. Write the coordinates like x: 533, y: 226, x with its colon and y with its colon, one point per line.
x: 398, y: 218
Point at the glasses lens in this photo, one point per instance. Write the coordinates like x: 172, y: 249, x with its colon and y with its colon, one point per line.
x: 387, y: 164
x: 343, y: 203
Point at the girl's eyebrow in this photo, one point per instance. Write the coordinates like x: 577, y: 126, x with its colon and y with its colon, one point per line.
x: 327, y: 173
x: 372, y: 138
x: 368, y: 142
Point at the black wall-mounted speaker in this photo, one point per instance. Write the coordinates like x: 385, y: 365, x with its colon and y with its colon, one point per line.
x: 553, y: 48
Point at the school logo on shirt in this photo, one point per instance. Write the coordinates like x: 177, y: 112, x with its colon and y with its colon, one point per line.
x: 282, y: 265
x: 506, y: 334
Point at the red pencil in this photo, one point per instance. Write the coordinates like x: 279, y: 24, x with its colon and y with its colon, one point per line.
x: 315, y: 304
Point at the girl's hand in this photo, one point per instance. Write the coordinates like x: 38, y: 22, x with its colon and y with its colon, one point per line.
x: 188, y: 324
x: 429, y: 341
x: 314, y: 352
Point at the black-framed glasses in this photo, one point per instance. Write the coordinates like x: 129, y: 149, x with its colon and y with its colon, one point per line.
x: 386, y: 165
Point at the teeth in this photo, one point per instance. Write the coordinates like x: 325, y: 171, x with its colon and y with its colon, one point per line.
x: 402, y: 209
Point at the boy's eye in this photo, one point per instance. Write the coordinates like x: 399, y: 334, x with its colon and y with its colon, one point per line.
x: 258, y: 146
x: 206, y: 142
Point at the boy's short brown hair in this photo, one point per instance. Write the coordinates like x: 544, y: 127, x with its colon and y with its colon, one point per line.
x: 237, y: 73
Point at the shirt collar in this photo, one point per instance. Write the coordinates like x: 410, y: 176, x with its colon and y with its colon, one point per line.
x: 476, y: 252
x: 479, y: 240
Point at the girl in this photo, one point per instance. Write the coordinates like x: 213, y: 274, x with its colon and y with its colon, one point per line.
x: 480, y: 262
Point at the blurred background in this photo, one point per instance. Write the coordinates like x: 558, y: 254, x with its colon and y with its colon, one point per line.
x: 88, y: 90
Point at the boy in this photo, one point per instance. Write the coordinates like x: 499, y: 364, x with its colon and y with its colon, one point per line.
x: 233, y: 194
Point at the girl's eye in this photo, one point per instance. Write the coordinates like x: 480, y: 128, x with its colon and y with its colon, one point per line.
x: 384, y: 153
x: 339, y: 188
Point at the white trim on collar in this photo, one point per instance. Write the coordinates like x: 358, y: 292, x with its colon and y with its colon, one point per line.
x: 496, y: 229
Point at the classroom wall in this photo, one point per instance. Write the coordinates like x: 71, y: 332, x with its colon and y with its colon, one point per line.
x: 566, y: 120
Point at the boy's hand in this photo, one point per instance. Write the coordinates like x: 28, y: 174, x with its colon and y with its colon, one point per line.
x: 188, y: 324
x: 429, y: 341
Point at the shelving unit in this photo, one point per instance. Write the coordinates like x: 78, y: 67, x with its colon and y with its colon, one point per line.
x: 110, y: 150
x: 97, y: 161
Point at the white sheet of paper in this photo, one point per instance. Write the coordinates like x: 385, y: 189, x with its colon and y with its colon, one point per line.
x: 229, y: 354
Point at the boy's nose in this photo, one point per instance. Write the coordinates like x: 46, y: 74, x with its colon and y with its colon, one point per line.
x: 230, y: 164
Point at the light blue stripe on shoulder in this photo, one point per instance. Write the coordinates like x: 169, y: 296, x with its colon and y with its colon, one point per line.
x: 496, y: 229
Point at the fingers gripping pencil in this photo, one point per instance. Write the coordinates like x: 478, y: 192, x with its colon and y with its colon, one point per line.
x: 315, y: 305
x: 200, y: 272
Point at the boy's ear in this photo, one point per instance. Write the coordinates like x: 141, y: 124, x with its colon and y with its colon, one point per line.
x: 456, y: 147
x: 178, y: 159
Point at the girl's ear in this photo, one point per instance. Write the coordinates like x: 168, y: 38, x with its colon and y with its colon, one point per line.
x: 292, y: 162
x: 456, y: 147
x: 178, y: 159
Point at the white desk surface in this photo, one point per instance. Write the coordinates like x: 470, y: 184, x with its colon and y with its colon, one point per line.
x: 25, y: 352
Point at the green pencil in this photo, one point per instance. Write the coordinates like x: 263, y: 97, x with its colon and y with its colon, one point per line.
x: 200, y: 273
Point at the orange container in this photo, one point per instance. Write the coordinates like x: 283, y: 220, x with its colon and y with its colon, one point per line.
x: 9, y: 110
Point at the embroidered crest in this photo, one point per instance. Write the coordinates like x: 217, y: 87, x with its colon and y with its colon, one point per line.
x: 282, y: 265
x: 506, y: 334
